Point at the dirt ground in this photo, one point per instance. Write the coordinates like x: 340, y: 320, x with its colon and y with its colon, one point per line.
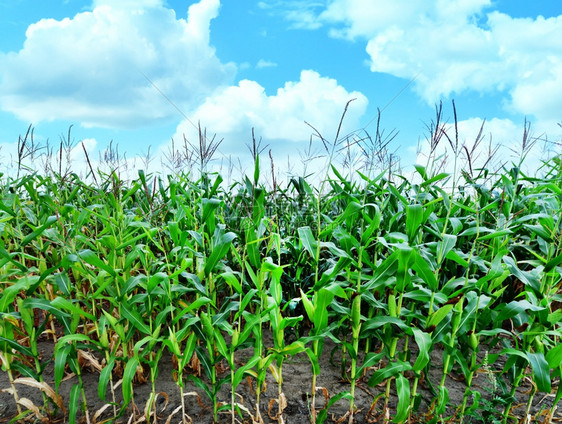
x: 296, y: 387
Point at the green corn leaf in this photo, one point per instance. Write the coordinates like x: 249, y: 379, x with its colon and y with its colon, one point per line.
x: 206, y: 362
x: 118, y: 328
x: 370, y: 360
x: 133, y: 241
x: 221, y: 245
x: 38, y: 231
x: 45, y: 305
x: 472, y: 231
x: 63, y: 283
x: 445, y: 246
x: 252, y: 243
x: 9, y: 258
x: 529, y: 278
x: 540, y: 231
x: 513, y: 355
x: 397, y: 194
x: 323, y: 413
x: 442, y: 400
x: 60, y: 362
x: 432, y: 180
x: 241, y: 371
x: 516, y: 307
x: 386, y: 268
x: 7, y: 210
x: 26, y: 317
x: 222, y: 348
x: 155, y: 280
x: 382, y: 320
x: 390, y: 370
x: 308, y: 307
x: 292, y: 349
x: 17, y: 346
x: 423, y: 340
x: 322, y: 300
x: 403, y: 273
x: 454, y: 256
x: 553, y: 263
x: 9, y: 293
x: 150, y: 340
x: 308, y: 240
x: 439, y: 315
x: 414, y: 219
x: 558, y: 395
x: 248, y: 297
x: 61, y: 303
x: 208, y: 213
x: 201, y: 385
x: 193, y: 306
x: 541, y: 371
x: 554, y: 356
x: 127, y: 385
x: 343, y: 180
x: 69, y: 338
x: 495, y: 234
x: 421, y: 170
x: 104, y: 379
x: 425, y: 272
x: 315, y: 364
x: 74, y: 402
x: 135, y: 319
x: 403, y: 390
x: 91, y: 258
x: 232, y: 281
x: 188, y: 350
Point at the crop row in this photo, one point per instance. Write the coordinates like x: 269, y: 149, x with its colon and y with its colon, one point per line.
x: 128, y: 272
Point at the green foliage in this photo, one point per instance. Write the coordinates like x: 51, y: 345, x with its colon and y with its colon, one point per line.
x: 198, y: 272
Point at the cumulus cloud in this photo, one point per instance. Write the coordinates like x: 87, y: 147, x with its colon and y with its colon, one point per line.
x: 491, y: 145
x: 457, y: 47
x: 278, y: 118
x: 90, y: 68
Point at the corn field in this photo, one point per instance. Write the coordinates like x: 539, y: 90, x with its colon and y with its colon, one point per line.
x: 231, y: 283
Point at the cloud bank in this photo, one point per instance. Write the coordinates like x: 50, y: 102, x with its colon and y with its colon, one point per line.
x: 456, y: 47
x: 90, y: 68
x: 278, y: 118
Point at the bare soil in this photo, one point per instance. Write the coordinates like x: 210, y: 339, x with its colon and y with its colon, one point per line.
x: 296, y: 387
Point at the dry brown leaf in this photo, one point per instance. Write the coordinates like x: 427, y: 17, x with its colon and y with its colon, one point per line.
x: 30, y: 406
x: 100, y: 411
x: 69, y: 376
x: 185, y: 420
x: 86, y: 359
x: 166, y: 401
x: 174, y: 412
x: 342, y: 419
x: 44, y: 387
x: 195, y: 365
x: 282, y: 404
x: 326, y: 395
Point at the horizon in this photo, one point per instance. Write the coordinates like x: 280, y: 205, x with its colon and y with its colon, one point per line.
x: 138, y: 74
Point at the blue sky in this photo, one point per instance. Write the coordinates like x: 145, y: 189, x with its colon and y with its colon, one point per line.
x: 271, y: 65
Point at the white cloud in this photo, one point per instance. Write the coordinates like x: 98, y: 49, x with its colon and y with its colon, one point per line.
x: 455, y: 47
x: 90, y: 68
x: 301, y: 13
x: 501, y: 145
x: 265, y: 64
x: 279, y: 118
x: 77, y: 152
